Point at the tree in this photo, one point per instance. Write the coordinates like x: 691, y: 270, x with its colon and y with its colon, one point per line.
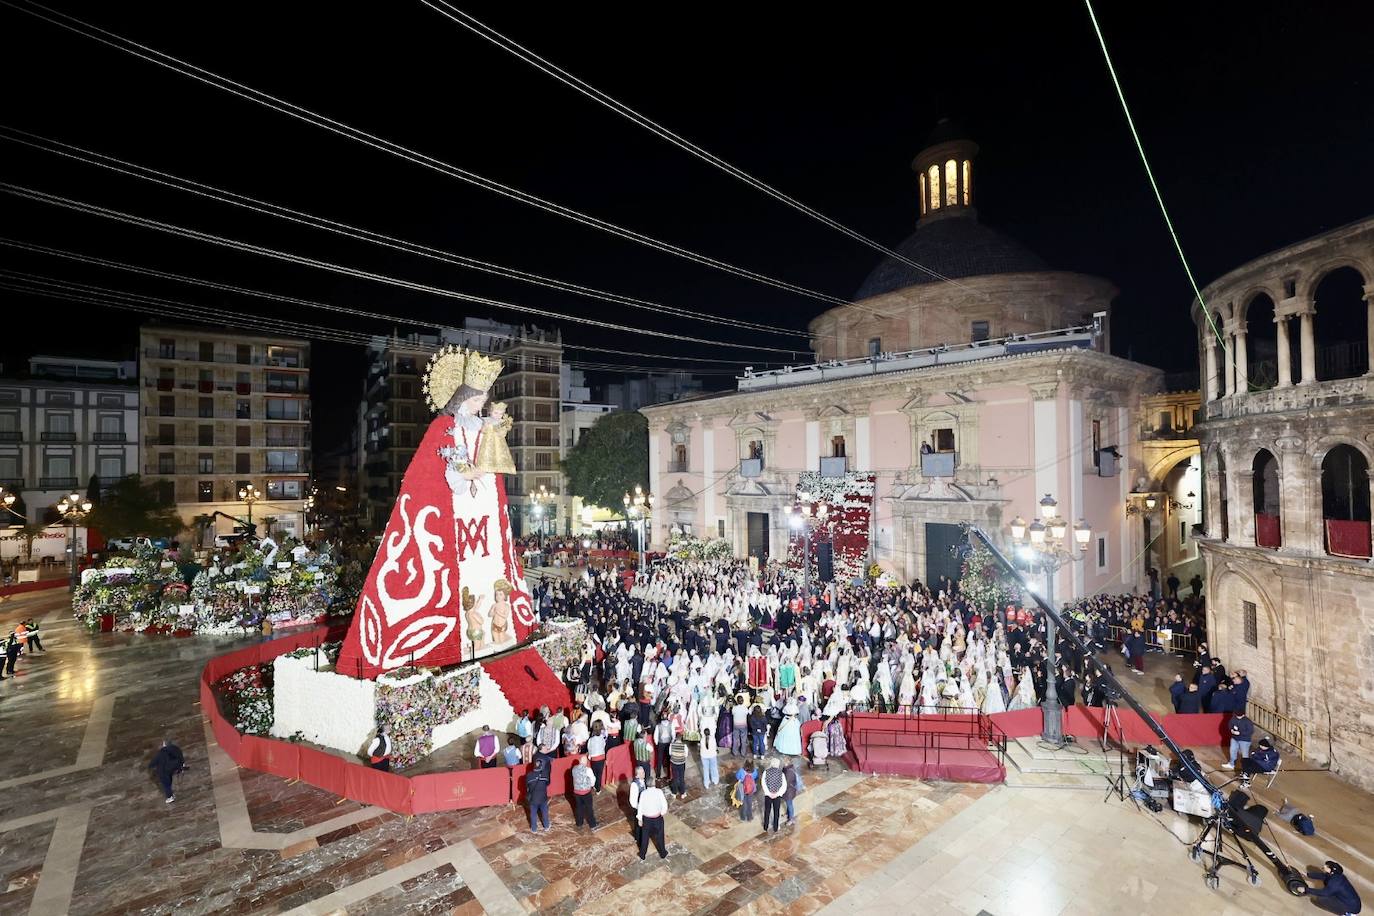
x: 93, y: 490
x: 611, y: 457
x: 132, y: 508
x: 983, y: 581
x: 30, y: 532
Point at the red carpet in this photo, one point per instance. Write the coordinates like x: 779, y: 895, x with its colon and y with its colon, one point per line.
x: 528, y: 682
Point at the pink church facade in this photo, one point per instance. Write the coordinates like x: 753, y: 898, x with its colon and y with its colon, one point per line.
x: 981, y: 390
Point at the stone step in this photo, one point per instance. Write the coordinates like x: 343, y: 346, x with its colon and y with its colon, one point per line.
x: 1025, y: 755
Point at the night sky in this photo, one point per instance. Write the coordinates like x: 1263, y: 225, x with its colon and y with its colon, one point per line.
x: 1259, y: 119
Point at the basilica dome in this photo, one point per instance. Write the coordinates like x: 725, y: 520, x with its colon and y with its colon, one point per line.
x: 999, y: 287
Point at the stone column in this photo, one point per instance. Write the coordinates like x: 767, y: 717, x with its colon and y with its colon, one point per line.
x: 1242, y: 362
x: 1212, y: 500
x: 1229, y: 354
x: 1285, y: 353
x: 1369, y: 329
x: 1309, y: 348
x: 1209, y: 352
x: 1242, y: 522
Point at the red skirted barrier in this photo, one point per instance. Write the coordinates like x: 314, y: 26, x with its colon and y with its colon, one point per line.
x: 528, y: 682
x: 1019, y: 724
x: 392, y: 791
x: 23, y: 587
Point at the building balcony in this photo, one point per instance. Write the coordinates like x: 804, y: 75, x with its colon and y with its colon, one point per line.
x: 107, y: 482
x: 107, y: 437
x: 834, y: 467
x: 11, y: 435
x: 166, y: 384
x: 48, y: 436
x: 57, y: 483
x: 1300, y: 397
x: 1347, y: 538
x: 12, y: 485
x: 677, y: 467
x: 206, y: 386
x: 751, y: 467
x: 939, y: 464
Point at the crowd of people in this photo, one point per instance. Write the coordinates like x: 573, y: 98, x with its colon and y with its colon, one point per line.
x: 712, y: 654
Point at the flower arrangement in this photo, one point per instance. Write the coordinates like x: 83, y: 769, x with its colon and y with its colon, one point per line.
x: 412, y: 709
x: 849, y: 506
x: 562, y: 646
x: 690, y: 547
x: 247, y: 697
x: 983, y: 582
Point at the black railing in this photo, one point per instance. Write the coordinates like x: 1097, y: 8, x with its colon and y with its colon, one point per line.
x: 57, y: 483
x: 51, y: 436
x: 120, y: 436
x: 11, y: 435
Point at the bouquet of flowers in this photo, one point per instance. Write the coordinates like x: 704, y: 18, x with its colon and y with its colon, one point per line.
x: 247, y: 697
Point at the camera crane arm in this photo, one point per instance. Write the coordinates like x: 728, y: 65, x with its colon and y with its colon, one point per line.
x: 1090, y: 658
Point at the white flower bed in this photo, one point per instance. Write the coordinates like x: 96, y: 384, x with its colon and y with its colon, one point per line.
x: 324, y: 707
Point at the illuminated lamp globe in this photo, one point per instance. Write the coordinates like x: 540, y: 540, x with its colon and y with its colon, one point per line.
x: 1037, y: 532
x: 1049, y: 507
x: 1018, y: 528
x: 1082, y: 533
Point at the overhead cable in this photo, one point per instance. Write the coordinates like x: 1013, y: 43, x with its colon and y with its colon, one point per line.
x: 132, y: 169
x: 197, y: 235
x: 152, y: 55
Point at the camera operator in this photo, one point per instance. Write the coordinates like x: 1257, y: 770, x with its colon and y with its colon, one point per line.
x: 1336, y: 895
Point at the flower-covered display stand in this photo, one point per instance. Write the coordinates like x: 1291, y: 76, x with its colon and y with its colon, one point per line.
x: 143, y: 592
x: 848, y: 520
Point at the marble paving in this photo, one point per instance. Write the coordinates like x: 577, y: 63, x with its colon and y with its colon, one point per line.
x: 84, y: 830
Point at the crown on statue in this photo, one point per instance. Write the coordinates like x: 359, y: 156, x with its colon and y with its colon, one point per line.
x: 452, y: 367
x: 480, y: 371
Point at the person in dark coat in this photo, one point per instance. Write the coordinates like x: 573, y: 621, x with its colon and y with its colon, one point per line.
x: 11, y: 654
x: 1336, y: 895
x: 537, y: 793
x: 166, y: 763
x: 1191, y: 701
x: 1176, y: 691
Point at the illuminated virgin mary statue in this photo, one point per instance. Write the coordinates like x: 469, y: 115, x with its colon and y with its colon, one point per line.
x: 446, y: 585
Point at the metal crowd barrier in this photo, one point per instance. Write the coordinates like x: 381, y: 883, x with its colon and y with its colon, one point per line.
x: 1282, y: 728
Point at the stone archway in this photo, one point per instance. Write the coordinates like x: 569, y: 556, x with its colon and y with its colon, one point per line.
x: 1229, y: 592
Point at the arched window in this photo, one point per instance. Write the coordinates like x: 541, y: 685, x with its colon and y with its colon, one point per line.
x: 968, y: 182
x: 1268, y: 524
x: 1345, y: 502
x: 1341, y: 337
x: 1261, y: 344
x: 925, y: 201
x: 952, y: 183
x: 933, y: 174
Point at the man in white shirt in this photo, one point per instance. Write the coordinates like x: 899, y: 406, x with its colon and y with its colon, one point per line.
x: 653, y: 805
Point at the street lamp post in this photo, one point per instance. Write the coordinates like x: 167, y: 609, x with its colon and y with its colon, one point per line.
x: 805, y: 512
x: 638, y: 507
x: 73, y: 510
x: 250, y: 495
x: 542, y: 500
x: 7, y: 503
x: 1045, y: 544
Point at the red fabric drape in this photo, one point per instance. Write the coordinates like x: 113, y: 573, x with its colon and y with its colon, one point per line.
x: 1268, y: 531
x: 1347, y: 539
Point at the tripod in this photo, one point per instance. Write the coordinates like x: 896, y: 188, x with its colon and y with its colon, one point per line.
x: 1116, y: 785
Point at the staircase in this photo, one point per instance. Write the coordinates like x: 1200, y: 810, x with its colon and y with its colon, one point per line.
x: 1081, y: 765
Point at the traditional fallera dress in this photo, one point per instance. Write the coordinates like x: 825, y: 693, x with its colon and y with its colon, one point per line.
x: 788, y: 739
x: 446, y: 534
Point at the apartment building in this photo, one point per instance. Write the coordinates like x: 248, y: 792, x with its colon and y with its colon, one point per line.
x: 222, y: 410
x: 66, y: 421
x: 394, y: 415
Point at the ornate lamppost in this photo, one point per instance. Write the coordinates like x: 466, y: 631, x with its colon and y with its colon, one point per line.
x: 249, y: 495
x: 73, y: 509
x: 638, y: 507
x: 806, y: 512
x: 542, y: 501
x: 1045, y: 544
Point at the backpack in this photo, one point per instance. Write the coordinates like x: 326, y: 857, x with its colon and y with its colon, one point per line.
x: 1304, y: 824
x: 748, y: 783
